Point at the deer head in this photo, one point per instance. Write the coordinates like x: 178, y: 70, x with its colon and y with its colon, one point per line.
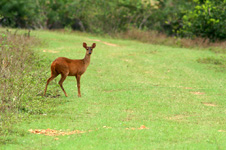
x: 89, y: 49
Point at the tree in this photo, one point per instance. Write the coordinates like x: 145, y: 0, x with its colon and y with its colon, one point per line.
x: 19, y: 13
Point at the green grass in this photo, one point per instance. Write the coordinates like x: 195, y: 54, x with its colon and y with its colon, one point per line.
x: 180, y: 100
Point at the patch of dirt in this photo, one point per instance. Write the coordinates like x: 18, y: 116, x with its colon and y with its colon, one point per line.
x: 106, y: 43
x: 51, y: 132
x: 109, y: 44
x: 140, y: 128
x: 221, y: 130
x: 209, y: 104
x: 198, y: 93
x: 95, y: 40
x: 50, y: 51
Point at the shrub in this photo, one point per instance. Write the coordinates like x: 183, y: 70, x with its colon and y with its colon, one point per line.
x: 19, y: 13
x: 206, y: 20
x: 167, y: 16
x: 22, y: 78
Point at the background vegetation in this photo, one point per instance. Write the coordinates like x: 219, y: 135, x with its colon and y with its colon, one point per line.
x: 185, y: 18
x: 21, y: 78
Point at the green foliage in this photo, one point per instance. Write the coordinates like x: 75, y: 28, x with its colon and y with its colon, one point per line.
x: 93, y: 16
x: 21, y: 79
x: 206, y: 20
x: 19, y: 13
x: 186, y: 18
x: 167, y: 17
x: 111, y: 17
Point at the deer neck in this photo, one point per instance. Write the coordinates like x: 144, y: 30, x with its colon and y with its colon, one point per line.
x: 86, y: 60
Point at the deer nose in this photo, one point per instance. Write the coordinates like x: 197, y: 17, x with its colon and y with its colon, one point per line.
x: 90, y: 52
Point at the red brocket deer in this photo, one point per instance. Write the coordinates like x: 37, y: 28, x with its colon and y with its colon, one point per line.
x: 70, y: 67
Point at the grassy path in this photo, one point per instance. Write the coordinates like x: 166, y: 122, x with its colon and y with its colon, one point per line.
x: 134, y: 96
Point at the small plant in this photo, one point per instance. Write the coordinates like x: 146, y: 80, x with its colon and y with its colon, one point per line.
x: 211, y: 60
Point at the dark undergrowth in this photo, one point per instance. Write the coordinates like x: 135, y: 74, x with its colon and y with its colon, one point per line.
x: 217, y: 63
x: 21, y: 81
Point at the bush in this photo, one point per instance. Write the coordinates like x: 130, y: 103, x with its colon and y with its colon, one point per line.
x: 206, y: 20
x: 167, y: 16
x: 22, y: 77
x: 19, y: 13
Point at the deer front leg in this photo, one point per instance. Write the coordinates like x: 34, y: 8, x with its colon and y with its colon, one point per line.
x: 78, y: 84
x: 50, y: 79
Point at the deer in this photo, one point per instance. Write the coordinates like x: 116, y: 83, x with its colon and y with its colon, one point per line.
x: 70, y: 67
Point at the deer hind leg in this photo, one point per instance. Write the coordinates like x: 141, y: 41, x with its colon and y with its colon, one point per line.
x: 63, y: 77
x: 50, y: 79
x: 78, y: 84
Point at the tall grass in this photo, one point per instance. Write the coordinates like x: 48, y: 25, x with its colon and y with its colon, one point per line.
x: 21, y: 73
x: 154, y: 37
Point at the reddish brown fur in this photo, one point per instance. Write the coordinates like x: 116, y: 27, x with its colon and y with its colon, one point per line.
x: 70, y: 67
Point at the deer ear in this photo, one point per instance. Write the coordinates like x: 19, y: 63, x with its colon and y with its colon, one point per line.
x: 84, y: 45
x: 94, y: 45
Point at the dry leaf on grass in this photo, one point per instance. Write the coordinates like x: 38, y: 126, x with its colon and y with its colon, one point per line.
x: 51, y: 132
x: 143, y: 127
x: 221, y: 130
x: 106, y: 127
x: 140, y: 128
x: 198, y: 93
x: 50, y: 51
x: 209, y: 104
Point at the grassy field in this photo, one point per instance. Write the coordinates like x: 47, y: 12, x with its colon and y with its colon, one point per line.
x: 134, y: 96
